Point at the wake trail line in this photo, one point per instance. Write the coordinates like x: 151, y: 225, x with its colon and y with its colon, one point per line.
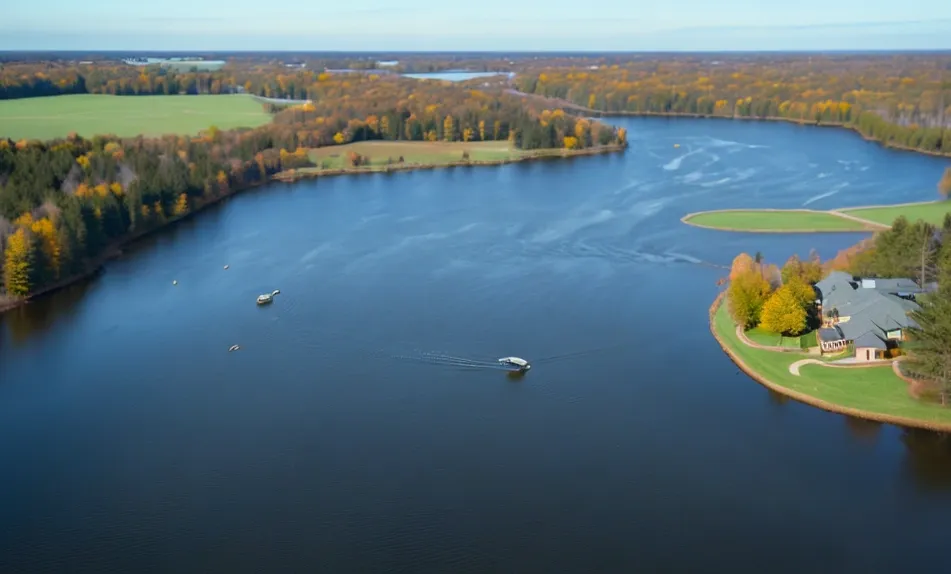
x: 445, y: 360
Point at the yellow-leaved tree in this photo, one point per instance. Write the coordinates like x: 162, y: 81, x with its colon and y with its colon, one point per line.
x: 18, y: 263
x: 181, y: 206
x: 447, y: 129
x: 338, y: 138
x: 571, y: 142
x: 783, y: 312
x: 746, y: 295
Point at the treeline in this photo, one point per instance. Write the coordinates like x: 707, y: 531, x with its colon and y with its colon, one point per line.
x: 362, y: 108
x: 64, y: 203
x: 902, y: 100
x: 917, y: 250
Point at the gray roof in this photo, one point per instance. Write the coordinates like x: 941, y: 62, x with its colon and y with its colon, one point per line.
x: 835, y: 290
x: 870, y: 310
x: 870, y: 340
x: 830, y: 334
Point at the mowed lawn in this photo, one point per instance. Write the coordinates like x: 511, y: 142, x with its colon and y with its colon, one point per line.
x: 932, y: 212
x: 784, y: 220
x: 427, y: 153
x: 126, y: 116
x: 873, y: 389
x: 764, y: 337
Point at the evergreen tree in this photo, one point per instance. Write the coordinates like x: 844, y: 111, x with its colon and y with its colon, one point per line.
x: 929, y: 347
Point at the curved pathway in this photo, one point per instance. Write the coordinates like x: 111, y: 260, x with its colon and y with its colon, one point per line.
x: 794, y: 368
x: 749, y: 343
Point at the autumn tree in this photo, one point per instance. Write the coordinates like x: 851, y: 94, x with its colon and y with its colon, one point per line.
x: 783, y: 312
x: 18, y: 260
x: 448, y: 127
x: 746, y: 295
x: 742, y: 263
x: 944, y: 186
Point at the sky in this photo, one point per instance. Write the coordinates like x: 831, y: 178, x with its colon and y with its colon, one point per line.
x: 482, y: 25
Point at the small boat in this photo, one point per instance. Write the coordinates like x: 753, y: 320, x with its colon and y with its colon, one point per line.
x: 233, y: 348
x: 520, y: 365
x: 174, y: 282
x: 265, y: 299
x: 226, y: 266
x: 676, y: 145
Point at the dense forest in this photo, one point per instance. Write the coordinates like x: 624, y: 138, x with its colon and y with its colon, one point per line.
x: 65, y: 203
x: 361, y: 107
x: 902, y: 100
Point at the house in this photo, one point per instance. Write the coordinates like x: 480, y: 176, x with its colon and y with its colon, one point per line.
x: 871, y: 315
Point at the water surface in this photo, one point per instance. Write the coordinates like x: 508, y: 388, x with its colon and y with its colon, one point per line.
x: 362, y: 427
x: 455, y: 75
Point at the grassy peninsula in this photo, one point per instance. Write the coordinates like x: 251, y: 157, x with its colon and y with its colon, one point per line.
x: 775, y: 221
x: 874, y: 393
x: 869, y: 218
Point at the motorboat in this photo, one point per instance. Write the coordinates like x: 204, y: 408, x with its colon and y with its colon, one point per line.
x: 519, y: 364
x: 265, y: 299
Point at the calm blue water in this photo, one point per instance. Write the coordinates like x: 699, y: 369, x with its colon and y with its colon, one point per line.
x: 361, y: 426
x: 454, y: 75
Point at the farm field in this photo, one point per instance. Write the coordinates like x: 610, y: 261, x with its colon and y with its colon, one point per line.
x: 126, y: 116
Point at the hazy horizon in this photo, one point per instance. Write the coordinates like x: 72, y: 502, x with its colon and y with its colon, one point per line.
x: 492, y: 25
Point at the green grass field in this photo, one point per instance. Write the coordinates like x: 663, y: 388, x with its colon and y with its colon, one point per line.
x: 874, y: 389
x: 126, y: 116
x: 932, y: 212
x: 775, y: 221
x: 764, y: 337
x: 428, y: 153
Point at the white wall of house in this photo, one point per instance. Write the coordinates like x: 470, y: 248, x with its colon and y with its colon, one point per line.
x: 865, y: 354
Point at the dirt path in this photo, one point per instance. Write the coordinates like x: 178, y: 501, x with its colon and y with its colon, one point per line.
x: 866, y: 222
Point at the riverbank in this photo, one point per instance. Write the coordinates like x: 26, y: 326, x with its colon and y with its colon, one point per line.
x: 852, y: 219
x: 95, y: 265
x: 873, y: 393
x: 503, y: 157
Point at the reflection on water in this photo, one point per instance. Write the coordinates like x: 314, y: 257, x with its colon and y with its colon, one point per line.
x: 38, y: 315
x: 862, y: 430
x: 928, y: 458
x: 777, y: 399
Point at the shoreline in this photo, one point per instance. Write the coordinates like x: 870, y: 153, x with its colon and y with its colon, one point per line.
x: 115, y: 250
x: 798, y: 122
x: 690, y: 115
x: 809, y: 399
x: 293, y: 175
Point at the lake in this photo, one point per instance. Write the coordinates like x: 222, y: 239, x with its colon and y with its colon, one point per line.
x: 362, y: 425
x: 455, y: 75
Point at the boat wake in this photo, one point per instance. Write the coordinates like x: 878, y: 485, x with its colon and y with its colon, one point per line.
x: 446, y: 360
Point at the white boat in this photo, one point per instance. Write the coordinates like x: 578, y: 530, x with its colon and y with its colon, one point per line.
x: 265, y: 299
x: 520, y: 364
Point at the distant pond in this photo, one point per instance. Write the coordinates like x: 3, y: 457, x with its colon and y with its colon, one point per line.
x: 456, y: 75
